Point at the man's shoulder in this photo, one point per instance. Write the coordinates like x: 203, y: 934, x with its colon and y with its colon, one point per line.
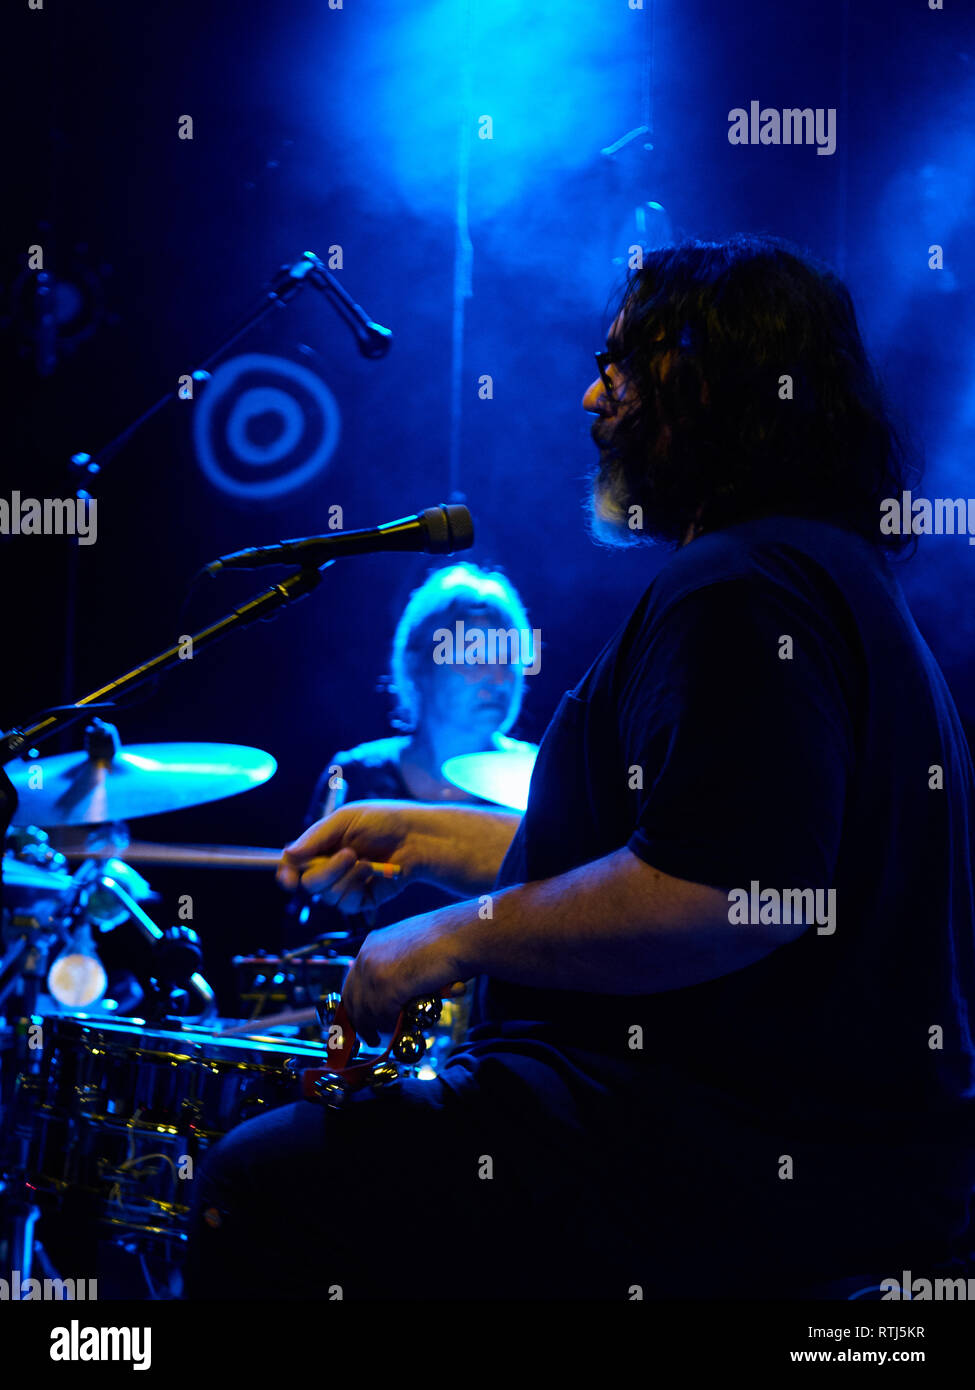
x: 779, y: 552
x: 377, y: 752
x: 506, y: 744
x: 368, y: 770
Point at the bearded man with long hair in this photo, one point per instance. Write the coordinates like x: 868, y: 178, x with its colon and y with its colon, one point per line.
x: 722, y: 1040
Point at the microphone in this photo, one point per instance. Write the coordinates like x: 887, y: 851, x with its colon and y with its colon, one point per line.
x: 374, y: 340
x: 438, y: 531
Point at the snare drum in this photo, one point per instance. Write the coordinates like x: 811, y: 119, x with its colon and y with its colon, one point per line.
x: 122, y: 1113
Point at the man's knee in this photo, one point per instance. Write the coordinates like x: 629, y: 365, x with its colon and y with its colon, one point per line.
x: 255, y: 1156
x: 305, y: 1184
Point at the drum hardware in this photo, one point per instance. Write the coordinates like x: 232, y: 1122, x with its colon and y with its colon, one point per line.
x: 175, y: 984
x: 77, y: 977
x: 101, y: 855
x: 173, y: 978
x: 74, y: 974
x: 118, y: 1113
x: 43, y: 910
x: 50, y: 926
x: 34, y: 869
x: 51, y: 921
x: 19, y: 965
x: 295, y: 980
x: 34, y: 894
x: 29, y: 844
x: 112, y: 1116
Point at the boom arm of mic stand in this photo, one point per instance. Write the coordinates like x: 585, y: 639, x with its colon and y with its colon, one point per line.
x: 374, y: 340
x: 264, y: 605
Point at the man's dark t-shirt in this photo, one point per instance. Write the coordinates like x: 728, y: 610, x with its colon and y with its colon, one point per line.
x: 769, y: 715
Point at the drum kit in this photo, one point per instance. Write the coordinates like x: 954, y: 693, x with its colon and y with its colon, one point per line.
x: 116, y: 1072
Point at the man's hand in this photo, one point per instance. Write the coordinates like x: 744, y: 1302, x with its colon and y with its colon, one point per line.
x: 397, y: 964
x: 332, y: 857
x: 459, y: 848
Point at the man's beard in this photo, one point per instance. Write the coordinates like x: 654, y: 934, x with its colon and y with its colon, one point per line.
x: 611, y: 501
x: 609, y: 504
x: 635, y: 488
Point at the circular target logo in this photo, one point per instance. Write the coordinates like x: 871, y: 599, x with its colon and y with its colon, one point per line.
x: 264, y: 426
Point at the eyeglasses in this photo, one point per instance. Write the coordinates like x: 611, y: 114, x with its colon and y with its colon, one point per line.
x: 607, y: 359
x: 604, y: 360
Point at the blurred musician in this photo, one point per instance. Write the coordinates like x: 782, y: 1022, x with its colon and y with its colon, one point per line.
x: 444, y: 708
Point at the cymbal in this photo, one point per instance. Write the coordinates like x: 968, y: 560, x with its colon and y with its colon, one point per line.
x: 140, y: 779
x: 502, y: 776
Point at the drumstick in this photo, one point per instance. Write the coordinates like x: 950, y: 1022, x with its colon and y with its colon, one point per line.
x: 206, y: 856
x: 257, y: 1025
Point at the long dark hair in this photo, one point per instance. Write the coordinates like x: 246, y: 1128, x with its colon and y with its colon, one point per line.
x: 740, y: 315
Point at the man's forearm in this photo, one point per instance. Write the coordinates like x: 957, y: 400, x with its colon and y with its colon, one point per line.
x: 461, y: 848
x: 616, y: 926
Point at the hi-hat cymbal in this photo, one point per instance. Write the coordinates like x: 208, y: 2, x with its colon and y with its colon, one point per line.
x: 502, y: 776
x: 140, y: 779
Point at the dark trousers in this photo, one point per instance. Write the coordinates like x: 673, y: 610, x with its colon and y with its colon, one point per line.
x: 401, y: 1193
x: 410, y: 1192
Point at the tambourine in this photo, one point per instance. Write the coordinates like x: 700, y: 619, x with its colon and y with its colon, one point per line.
x: 330, y: 1084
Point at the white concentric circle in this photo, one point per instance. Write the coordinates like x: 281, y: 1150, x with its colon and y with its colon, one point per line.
x: 301, y: 426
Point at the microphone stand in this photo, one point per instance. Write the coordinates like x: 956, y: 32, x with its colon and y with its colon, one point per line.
x: 374, y: 342
x: 19, y: 742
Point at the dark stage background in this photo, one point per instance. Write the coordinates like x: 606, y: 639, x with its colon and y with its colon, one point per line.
x: 361, y: 128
